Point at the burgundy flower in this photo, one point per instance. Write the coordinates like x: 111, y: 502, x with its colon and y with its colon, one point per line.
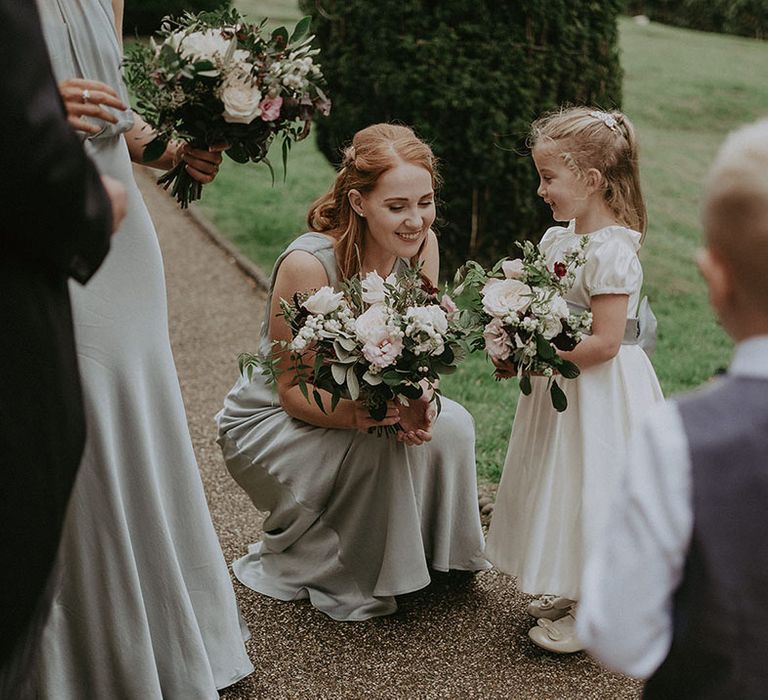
x: 560, y: 269
x: 428, y: 287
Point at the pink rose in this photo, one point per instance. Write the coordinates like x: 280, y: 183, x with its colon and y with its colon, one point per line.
x: 498, y: 344
x: 381, y: 341
x: 270, y: 108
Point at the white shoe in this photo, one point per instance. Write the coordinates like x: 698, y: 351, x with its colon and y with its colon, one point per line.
x: 550, y: 607
x: 558, y: 637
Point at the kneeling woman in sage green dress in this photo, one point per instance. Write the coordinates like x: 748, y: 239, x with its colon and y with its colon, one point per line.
x: 354, y: 519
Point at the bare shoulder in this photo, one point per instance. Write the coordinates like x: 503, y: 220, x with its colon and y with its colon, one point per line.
x: 431, y: 244
x: 300, y: 271
x: 430, y: 257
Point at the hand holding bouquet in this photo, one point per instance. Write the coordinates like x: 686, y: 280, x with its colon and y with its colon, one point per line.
x: 211, y: 79
x: 522, y: 317
x: 375, y: 341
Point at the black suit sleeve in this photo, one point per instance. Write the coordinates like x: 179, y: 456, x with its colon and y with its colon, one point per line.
x: 54, y: 208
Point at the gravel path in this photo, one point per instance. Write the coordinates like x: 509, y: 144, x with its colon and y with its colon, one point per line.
x: 455, y: 639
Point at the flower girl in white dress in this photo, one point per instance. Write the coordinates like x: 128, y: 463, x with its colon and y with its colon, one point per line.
x: 561, y: 468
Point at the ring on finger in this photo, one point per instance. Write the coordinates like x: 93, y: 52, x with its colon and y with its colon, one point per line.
x: 86, y: 95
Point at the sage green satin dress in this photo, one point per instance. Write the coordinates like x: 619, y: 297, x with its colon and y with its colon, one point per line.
x: 144, y: 607
x: 354, y: 519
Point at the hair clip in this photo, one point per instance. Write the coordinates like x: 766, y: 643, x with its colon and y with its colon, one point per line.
x: 608, y: 119
x: 351, y: 153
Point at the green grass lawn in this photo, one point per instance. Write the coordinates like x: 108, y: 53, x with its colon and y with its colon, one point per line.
x: 684, y: 90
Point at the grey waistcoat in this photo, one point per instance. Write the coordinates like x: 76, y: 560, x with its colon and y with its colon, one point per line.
x: 720, y: 616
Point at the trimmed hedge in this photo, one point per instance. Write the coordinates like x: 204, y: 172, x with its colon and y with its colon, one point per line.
x: 469, y: 76
x: 144, y: 16
x: 742, y: 17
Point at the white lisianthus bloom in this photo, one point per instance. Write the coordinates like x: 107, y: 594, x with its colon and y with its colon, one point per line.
x: 323, y: 301
x: 559, y: 307
x: 374, y: 290
x: 205, y: 45
x: 512, y: 269
x: 502, y: 297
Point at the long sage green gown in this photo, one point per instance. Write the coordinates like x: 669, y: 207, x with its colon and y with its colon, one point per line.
x: 354, y: 519
x: 144, y: 607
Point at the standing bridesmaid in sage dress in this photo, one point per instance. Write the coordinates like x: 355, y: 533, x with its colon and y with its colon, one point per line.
x: 144, y: 608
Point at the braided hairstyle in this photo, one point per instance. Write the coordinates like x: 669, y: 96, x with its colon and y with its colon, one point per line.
x: 586, y: 138
x: 374, y: 150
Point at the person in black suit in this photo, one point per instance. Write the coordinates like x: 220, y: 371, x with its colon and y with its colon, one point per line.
x: 56, y: 217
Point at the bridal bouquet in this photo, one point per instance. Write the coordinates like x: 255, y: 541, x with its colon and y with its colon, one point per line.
x: 212, y: 78
x: 375, y: 340
x: 521, y: 315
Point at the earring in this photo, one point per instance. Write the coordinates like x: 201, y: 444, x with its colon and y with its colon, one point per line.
x: 360, y: 214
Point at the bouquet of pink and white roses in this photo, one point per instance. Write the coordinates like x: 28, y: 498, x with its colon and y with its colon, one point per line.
x: 521, y: 315
x: 212, y: 78
x: 376, y: 340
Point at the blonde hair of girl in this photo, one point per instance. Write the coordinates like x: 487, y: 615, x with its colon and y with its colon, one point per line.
x: 374, y: 150
x: 587, y: 138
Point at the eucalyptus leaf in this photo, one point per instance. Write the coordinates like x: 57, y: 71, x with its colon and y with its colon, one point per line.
x: 352, y: 384
x: 543, y: 348
x: 559, y: 401
x: 372, y: 379
x: 339, y: 373
x: 569, y: 370
x: 301, y: 29
x: 525, y: 384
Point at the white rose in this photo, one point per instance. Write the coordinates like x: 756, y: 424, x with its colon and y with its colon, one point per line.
x: 241, y: 102
x: 512, y: 269
x: 502, y: 297
x: 427, y: 317
x: 323, y: 301
x: 204, y: 45
x: 551, y: 326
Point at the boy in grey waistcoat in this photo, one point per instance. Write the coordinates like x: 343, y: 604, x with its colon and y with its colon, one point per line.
x: 677, y: 591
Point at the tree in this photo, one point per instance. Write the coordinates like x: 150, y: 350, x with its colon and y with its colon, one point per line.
x: 144, y: 16
x: 469, y: 76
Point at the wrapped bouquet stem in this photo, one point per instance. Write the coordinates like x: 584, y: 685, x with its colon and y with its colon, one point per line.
x: 212, y: 78
x: 521, y: 316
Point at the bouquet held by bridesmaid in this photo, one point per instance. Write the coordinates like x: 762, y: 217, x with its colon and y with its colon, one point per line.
x: 211, y: 78
x: 377, y: 340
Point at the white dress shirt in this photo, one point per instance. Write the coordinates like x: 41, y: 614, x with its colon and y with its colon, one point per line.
x: 625, y: 613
